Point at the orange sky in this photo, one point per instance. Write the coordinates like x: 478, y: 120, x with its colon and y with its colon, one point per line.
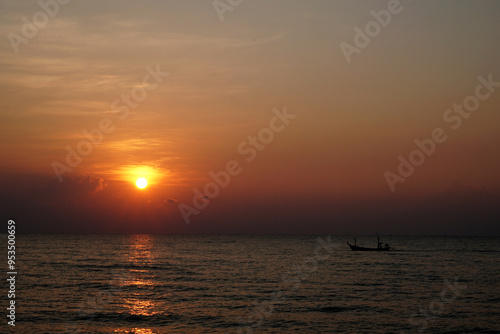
x: 353, y: 120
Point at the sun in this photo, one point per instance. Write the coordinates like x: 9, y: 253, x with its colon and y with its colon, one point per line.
x: 141, y: 183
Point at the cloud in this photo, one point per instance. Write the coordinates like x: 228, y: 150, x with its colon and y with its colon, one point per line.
x: 74, y: 188
x: 170, y: 201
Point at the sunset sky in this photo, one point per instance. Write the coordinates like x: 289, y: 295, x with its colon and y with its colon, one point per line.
x: 323, y: 172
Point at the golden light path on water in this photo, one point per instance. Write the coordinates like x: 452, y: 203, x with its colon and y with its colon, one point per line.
x: 136, y: 331
x: 140, y: 301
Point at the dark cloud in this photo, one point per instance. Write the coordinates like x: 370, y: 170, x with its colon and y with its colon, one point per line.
x: 170, y: 201
x: 92, y: 205
x: 71, y: 190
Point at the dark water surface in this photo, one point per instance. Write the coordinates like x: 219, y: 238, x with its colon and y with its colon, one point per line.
x: 254, y: 284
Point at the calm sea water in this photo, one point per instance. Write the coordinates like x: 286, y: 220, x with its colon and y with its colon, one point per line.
x: 254, y: 284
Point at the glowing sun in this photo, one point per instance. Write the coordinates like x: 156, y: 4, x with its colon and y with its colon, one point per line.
x: 141, y: 183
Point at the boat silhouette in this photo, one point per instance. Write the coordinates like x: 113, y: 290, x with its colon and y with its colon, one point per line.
x: 380, y: 247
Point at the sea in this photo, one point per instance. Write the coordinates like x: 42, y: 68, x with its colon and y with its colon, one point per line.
x: 145, y: 284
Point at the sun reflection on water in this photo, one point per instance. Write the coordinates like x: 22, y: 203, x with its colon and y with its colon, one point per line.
x: 142, y: 298
x: 136, y: 331
x: 140, y: 253
x: 142, y: 257
x: 141, y: 307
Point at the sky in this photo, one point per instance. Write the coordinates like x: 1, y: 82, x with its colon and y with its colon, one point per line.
x: 324, y: 117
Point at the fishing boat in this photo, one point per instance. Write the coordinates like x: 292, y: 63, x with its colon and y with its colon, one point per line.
x: 380, y: 247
